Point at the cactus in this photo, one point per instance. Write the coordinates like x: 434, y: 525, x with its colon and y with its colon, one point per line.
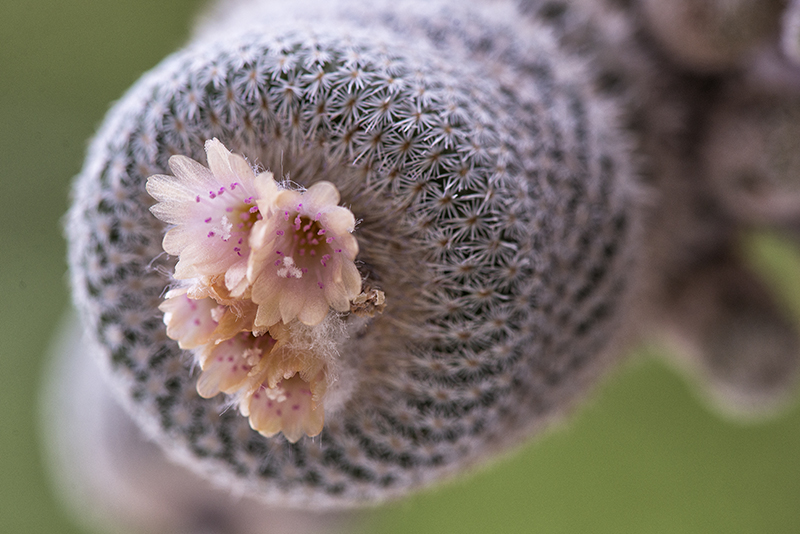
x: 790, y: 35
x: 696, y: 134
x: 711, y: 36
x: 496, y: 206
x: 751, y: 155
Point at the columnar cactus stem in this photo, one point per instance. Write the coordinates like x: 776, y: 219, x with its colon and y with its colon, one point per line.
x: 712, y: 35
x: 496, y: 211
x: 751, y: 155
x: 711, y: 101
x: 790, y: 35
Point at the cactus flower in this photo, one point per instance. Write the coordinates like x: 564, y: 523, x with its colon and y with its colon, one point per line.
x: 302, y: 256
x: 213, y: 210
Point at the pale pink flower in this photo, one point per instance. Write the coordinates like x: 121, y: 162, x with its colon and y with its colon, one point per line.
x: 290, y: 385
x: 302, y: 255
x: 213, y: 210
x: 194, y: 322
x: 234, y: 366
x: 288, y: 407
x: 277, y: 388
x: 189, y: 321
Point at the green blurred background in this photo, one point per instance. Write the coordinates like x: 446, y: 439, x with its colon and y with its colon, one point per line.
x: 643, y: 456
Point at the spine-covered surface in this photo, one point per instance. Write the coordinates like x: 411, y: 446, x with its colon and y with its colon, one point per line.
x: 496, y: 210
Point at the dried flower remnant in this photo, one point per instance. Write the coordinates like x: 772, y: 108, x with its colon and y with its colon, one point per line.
x: 302, y: 259
x: 214, y: 211
x: 368, y: 303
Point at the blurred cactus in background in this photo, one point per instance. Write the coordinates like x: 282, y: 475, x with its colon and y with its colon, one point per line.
x: 538, y: 185
x: 790, y: 38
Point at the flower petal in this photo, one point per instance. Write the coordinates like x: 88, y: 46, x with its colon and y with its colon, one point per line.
x: 321, y: 194
x: 227, y: 168
x: 188, y: 321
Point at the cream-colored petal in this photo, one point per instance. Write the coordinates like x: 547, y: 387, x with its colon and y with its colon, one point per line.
x: 231, y: 323
x: 315, y: 309
x: 176, y: 240
x: 351, y: 279
x: 319, y: 196
x: 197, y: 258
x: 266, y: 192
x: 292, y: 299
x: 172, y: 212
x: 336, y: 297
x: 348, y: 245
x: 236, y: 277
x: 338, y: 220
x: 267, y: 315
x: 262, y: 249
x: 166, y: 188
x: 227, y: 167
x: 267, y: 288
x: 191, y: 173
x: 287, y: 200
